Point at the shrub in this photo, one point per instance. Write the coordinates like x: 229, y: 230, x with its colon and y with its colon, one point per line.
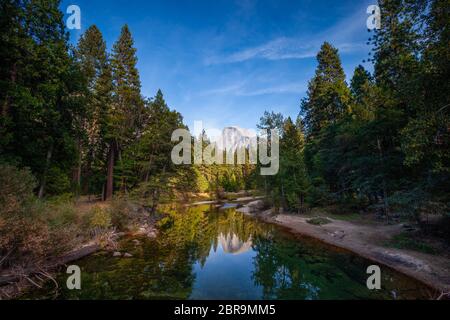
x: 319, y: 221
x: 57, y: 181
x: 22, y: 233
x: 31, y: 230
x: 16, y: 189
x: 404, y: 241
x: 99, y: 218
x: 61, y: 214
x: 120, y: 214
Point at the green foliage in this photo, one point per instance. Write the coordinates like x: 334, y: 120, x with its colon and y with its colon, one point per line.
x: 57, y: 181
x: 93, y: 126
x: 319, y: 221
x: 77, y: 119
x: 99, y: 218
x: 289, y: 187
x: 125, y: 118
x: 384, y: 143
x: 325, y: 109
x: 120, y: 214
x: 61, y: 214
x: 40, y: 86
x: 406, y: 241
x: 360, y: 82
x: 30, y: 229
x: 328, y: 95
x: 17, y: 187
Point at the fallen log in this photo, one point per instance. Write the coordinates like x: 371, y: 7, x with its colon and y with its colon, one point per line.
x: 8, y: 278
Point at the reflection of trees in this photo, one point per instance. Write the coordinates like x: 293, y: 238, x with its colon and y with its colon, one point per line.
x: 281, y: 271
x: 198, y: 228
x: 163, y: 268
x: 287, y: 269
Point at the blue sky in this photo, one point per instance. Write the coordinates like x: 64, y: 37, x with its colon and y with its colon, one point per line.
x: 225, y: 62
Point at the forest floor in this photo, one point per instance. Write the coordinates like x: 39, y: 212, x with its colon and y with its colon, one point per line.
x: 374, y: 240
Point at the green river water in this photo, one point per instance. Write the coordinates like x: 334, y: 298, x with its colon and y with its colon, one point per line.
x: 207, y: 253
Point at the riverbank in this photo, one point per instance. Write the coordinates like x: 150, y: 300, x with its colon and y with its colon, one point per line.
x: 366, y: 241
x: 98, y: 226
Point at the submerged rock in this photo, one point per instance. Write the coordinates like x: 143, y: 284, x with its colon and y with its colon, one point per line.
x: 148, y: 231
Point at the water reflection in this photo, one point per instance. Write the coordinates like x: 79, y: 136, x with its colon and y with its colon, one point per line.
x: 205, y: 253
x: 232, y: 244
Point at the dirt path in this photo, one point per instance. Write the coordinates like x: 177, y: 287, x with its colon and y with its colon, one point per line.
x: 365, y: 241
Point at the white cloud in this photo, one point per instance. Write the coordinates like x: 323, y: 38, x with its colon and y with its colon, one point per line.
x: 341, y: 35
x: 240, y: 89
x: 278, y: 49
x: 285, y: 88
x: 229, y: 89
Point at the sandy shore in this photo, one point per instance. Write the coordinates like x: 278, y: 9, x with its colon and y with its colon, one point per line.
x: 365, y: 241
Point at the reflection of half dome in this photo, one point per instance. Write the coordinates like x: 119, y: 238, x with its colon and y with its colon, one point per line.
x: 232, y: 244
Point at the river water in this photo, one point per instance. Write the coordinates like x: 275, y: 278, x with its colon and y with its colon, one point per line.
x: 207, y: 253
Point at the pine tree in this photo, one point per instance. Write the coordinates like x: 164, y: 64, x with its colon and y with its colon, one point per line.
x: 42, y: 92
x: 94, y: 63
x: 293, y: 177
x: 147, y: 164
x: 327, y: 103
x: 396, y: 98
x: 14, y: 43
x: 328, y: 95
x: 125, y: 117
x: 396, y: 46
x: 359, y: 84
x: 425, y: 138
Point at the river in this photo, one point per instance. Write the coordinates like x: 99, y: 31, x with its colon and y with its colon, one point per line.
x: 207, y: 253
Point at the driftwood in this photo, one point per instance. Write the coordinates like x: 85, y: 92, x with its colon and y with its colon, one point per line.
x: 8, y: 278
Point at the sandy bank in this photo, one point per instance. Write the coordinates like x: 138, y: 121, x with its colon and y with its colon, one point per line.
x: 366, y: 240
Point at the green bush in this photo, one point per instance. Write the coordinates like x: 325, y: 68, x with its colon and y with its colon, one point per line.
x: 120, y: 214
x: 319, y: 221
x: 67, y: 197
x: 16, y: 188
x: 99, y: 218
x: 24, y: 235
x: 57, y: 182
x: 404, y: 241
x: 61, y: 214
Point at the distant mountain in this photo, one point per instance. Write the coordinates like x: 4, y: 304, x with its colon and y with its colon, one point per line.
x: 231, y: 243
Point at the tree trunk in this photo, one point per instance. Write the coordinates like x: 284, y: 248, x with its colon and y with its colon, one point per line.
x: 76, y: 175
x: 384, y: 187
x: 110, y: 172
x: 283, y: 196
x: 147, y: 174
x: 103, y: 192
x: 6, y: 103
x: 44, y: 175
x: 88, y: 173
